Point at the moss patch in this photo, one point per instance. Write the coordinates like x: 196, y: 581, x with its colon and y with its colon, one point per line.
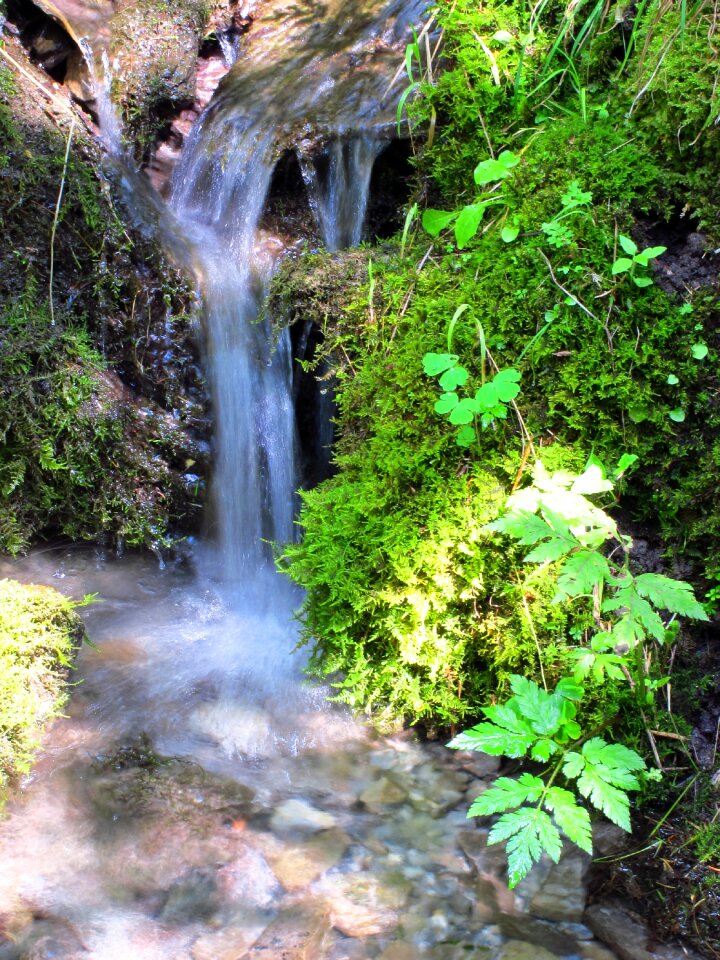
x: 38, y: 632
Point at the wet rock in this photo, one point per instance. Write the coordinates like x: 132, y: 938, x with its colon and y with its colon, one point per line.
x: 596, y: 951
x: 296, y: 814
x: 522, y: 950
x: 459, y: 951
x: 238, y: 729
x: 400, y: 950
x: 248, y: 880
x: 299, y: 865
x: 478, y: 764
x: 233, y: 941
x: 627, y: 936
x: 540, y: 933
x: 297, y: 934
x: 195, y: 897
x: 562, y: 895
x: 608, y: 838
x: 365, y: 906
x: 381, y: 792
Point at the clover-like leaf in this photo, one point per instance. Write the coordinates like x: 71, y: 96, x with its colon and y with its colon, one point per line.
x: 453, y: 378
x: 446, y: 402
x: 436, y: 363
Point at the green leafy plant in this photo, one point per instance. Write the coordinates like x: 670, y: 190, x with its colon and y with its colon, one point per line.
x: 634, y: 259
x: 535, y: 812
x: 557, y: 519
x: 574, y: 201
x: 488, y: 403
x: 467, y: 219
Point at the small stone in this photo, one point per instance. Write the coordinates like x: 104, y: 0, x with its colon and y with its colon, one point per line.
x: 479, y: 764
x: 300, y: 815
x: 400, y: 950
x: 522, y: 950
x: 355, y: 920
x: 596, y: 951
x: 297, y: 934
x: 298, y: 866
x: 542, y: 934
x: 563, y: 894
x: 383, y: 791
x: 231, y: 942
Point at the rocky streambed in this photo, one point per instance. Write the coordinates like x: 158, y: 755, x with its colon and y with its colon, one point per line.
x: 199, y: 802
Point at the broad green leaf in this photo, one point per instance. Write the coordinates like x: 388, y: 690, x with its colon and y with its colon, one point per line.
x: 581, y: 573
x: 569, y: 689
x: 453, y: 378
x: 621, y: 265
x: 464, y: 411
x: 628, y: 245
x: 699, y: 351
x: 591, y: 480
x: 572, y: 819
x: 642, y: 281
x: 506, y: 383
x: 540, y: 708
x: 508, y: 234
x: 678, y: 415
x: 490, y: 171
x: 465, y: 436
x: 436, y: 363
x: 446, y: 402
x: 610, y: 800
x: 493, y: 740
x: 649, y: 253
x: 573, y: 765
x: 543, y: 750
x: 626, y: 461
x: 509, y: 715
x: 435, y: 221
x: 467, y: 223
x: 506, y: 793
x: 668, y: 594
x: 672, y: 380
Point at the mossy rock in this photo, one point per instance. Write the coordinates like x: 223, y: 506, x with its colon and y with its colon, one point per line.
x: 39, y: 631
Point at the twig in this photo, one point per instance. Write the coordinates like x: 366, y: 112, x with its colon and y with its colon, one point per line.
x: 564, y: 290
x: 55, y: 220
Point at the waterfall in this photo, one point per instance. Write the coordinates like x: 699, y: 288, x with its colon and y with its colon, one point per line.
x: 339, y: 198
x: 108, y: 119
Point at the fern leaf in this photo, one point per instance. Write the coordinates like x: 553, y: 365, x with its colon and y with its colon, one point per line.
x: 507, y: 793
x: 612, y: 801
x: 580, y: 573
x: 573, y: 820
x: 530, y: 833
x: 493, y: 740
x: 525, y: 527
x: 667, y: 594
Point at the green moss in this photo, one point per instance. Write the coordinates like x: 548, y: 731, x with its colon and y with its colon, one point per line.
x: 38, y: 632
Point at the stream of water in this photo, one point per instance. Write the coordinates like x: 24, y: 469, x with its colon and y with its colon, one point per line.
x: 199, y: 802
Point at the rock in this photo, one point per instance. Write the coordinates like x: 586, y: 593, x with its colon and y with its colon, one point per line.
x: 522, y: 950
x: 248, y: 880
x: 563, y: 894
x: 364, y: 906
x: 297, y: 934
x: 608, y: 838
x: 194, y: 897
x: 626, y: 935
x: 400, y: 950
x: 299, y: 865
x: 238, y: 729
x: 299, y: 815
x: 478, y: 764
x: 540, y: 933
x: 596, y: 951
x: 233, y: 941
x: 381, y: 792
x: 458, y: 951
x: 355, y: 920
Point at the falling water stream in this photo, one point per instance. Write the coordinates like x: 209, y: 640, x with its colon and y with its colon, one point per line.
x: 199, y: 802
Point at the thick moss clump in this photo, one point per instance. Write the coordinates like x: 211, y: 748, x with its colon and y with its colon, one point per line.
x: 410, y: 607
x: 38, y: 633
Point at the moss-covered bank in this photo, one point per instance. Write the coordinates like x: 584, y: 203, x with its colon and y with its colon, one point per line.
x: 38, y: 632
x: 102, y: 404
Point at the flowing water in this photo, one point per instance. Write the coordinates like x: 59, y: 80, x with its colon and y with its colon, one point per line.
x: 199, y: 802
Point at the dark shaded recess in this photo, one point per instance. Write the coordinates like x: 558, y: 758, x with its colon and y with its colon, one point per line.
x: 391, y: 186
x: 47, y: 42
x: 287, y: 211
x: 687, y: 264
